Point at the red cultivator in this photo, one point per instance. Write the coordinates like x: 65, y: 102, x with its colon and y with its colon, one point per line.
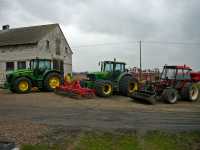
x: 73, y: 89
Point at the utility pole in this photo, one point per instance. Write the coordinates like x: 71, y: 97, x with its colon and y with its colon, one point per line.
x: 140, y: 43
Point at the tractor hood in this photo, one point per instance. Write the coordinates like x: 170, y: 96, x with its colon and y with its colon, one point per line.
x: 19, y: 72
x: 98, y: 75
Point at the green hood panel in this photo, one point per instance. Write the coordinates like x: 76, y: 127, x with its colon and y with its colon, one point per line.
x: 19, y: 72
x: 100, y: 75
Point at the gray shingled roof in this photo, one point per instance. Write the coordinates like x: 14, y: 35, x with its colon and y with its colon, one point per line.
x: 25, y: 35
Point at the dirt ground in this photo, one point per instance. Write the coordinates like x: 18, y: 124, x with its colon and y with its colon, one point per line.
x: 114, y: 113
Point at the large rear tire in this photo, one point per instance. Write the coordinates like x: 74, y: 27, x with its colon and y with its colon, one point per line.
x: 190, y: 92
x: 52, y: 80
x: 22, y: 85
x: 170, y: 95
x: 128, y: 85
x: 103, y: 88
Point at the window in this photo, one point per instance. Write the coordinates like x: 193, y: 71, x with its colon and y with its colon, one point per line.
x: 58, y: 46
x: 169, y: 74
x: 10, y: 66
x: 108, y: 67
x: 44, y: 64
x: 66, y: 50
x: 55, y: 64
x: 21, y: 65
x: 119, y: 67
x: 47, y: 45
x: 58, y: 65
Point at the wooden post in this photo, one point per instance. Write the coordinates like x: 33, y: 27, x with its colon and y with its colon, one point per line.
x: 140, y: 43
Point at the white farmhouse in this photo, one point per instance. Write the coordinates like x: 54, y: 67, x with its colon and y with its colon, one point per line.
x: 19, y: 45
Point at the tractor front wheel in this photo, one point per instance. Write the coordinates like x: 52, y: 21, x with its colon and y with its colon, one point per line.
x: 103, y: 88
x: 190, y: 92
x: 22, y: 85
x: 128, y: 85
x: 51, y: 81
x: 170, y: 95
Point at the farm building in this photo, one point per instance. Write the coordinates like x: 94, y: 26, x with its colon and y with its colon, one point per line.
x: 19, y: 45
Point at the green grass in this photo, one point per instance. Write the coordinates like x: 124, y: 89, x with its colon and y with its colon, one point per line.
x: 35, y: 147
x: 125, y: 141
x: 108, y: 141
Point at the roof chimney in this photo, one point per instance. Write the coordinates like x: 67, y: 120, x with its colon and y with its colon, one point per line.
x: 5, y: 27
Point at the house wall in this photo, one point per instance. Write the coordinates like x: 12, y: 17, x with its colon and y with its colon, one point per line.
x: 65, y: 51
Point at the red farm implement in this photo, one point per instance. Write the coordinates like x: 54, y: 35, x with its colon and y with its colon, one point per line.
x: 74, y: 90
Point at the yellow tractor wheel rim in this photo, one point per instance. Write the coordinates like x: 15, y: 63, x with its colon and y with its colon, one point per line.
x: 23, y: 86
x: 54, y: 82
x: 132, y: 87
x: 107, y: 89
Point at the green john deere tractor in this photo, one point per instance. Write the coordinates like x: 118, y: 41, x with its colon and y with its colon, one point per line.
x: 40, y: 75
x: 113, y: 77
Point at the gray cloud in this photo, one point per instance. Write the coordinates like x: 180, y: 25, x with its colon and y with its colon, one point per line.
x: 87, y: 22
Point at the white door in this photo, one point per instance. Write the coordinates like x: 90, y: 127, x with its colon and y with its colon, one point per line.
x: 2, y: 73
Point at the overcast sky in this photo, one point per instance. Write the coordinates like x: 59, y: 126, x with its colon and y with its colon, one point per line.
x: 107, y: 29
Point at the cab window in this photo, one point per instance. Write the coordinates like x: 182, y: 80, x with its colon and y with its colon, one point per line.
x: 108, y: 67
x: 119, y: 67
x: 44, y: 64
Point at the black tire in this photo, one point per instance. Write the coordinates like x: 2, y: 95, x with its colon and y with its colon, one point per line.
x: 170, y: 96
x: 22, y: 89
x: 46, y: 84
x: 190, y: 92
x: 103, y: 88
x: 128, y: 85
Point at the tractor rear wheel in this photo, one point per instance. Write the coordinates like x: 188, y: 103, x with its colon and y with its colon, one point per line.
x: 103, y: 88
x: 51, y: 81
x: 190, y: 92
x: 170, y: 95
x: 128, y: 85
x: 22, y: 85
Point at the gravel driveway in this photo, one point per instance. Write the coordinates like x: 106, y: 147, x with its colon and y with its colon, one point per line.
x: 114, y: 113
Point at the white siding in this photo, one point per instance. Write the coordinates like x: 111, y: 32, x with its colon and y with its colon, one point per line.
x: 15, y: 53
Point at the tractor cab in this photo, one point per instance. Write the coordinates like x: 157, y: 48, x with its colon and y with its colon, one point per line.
x: 112, y: 66
x: 176, y: 73
x: 40, y: 66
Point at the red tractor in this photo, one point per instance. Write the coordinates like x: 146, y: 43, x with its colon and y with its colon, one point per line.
x: 176, y: 82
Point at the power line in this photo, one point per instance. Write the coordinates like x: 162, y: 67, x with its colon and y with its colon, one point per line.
x: 137, y: 42
x: 172, y: 42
